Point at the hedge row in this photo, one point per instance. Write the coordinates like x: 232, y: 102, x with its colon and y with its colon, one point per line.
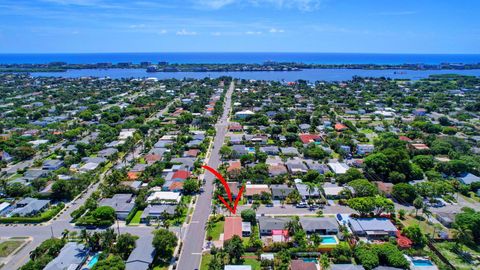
x: 45, y: 216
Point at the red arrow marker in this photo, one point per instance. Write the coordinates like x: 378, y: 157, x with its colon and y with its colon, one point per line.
x: 227, y: 189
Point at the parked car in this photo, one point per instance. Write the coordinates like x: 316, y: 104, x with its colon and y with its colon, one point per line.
x: 302, y: 205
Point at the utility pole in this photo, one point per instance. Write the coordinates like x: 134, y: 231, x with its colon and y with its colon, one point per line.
x: 118, y: 227
x: 51, y: 229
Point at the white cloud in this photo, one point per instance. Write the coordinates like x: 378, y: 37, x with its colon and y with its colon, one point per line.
x: 184, y: 32
x: 276, y: 30
x: 217, y: 34
x: 253, y: 33
x: 162, y: 32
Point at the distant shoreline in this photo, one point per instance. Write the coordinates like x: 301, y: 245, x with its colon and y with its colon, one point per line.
x: 265, y: 67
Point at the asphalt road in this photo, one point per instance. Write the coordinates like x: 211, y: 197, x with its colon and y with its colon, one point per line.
x: 193, y: 242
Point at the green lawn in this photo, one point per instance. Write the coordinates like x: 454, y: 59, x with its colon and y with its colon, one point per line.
x: 426, y: 227
x: 136, y: 219
x: 8, y: 247
x: 253, y: 262
x: 205, y: 261
x: 217, y: 230
x: 366, y: 131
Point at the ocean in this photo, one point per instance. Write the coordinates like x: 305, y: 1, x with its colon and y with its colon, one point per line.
x: 248, y: 58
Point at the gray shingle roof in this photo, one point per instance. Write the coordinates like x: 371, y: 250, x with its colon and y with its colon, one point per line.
x: 143, y: 254
x: 71, y: 256
x: 310, y: 224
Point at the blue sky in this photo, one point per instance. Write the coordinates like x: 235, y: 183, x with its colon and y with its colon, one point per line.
x: 381, y: 26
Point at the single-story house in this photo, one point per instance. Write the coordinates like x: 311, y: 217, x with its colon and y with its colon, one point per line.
x: 280, y: 192
x: 234, y: 166
x: 333, y: 191
x: 72, y: 256
x: 267, y: 225
x: 243, y: 114
x: 122, y: 203
x: 277, y: 169
x: 316, y: 166
x: 304, y: 193
x: 107, y: 152
x: 142, y: 256
x: 302, y: 265
x: 289, y: 151
x: 309, y: 138
x: 233, y: 226
x: 239, y: 150
x: 187, y: 162
x: 364, y: 149
x: 29, y: 207
x: 338, y: 167
x: 469, y: 178
x: 372, y: 227
x: 255, y: 189
x: 320, y: 225
x: 157, y: 211
x: 270, y: 150
x: 296, y: 166
x: 52, y: 164
x: 33, y: 174
x: 164, y: 197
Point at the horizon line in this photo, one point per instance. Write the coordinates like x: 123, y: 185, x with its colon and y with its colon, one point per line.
x: 237, y: 52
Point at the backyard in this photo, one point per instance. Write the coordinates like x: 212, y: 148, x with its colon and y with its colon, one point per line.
x: 448, y: 250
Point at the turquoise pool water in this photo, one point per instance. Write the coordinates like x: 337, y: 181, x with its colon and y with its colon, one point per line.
x: 329, y: 240
x: 93, y: 261
x: 422, y: 263
x: 309, y: 260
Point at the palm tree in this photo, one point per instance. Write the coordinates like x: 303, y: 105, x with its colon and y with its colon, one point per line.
x: 292, y: 226
x: 311, y: 187
x: 214, y: 209
x: 426, y: 211
x: 462, y: 236
x: 65, y: 233
x: 84, y: 236
x: 321, y: 191
x: 209, y: 226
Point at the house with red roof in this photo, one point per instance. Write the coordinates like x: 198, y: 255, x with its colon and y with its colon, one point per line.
x: 405, y: 139
x: 176, y: 187
x: 340, y: 127
x: 235, y: 127
x: 191, y: 153
x: 234, y: 165
x: 307, y: 138
x: 233, y: 226
x: 180, y: 175
x: 152, y: 158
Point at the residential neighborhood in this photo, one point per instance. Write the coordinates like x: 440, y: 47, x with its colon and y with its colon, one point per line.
x: 361, y: 174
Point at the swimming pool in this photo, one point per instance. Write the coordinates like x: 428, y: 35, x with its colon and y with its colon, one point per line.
x: 93, y: 261
x: 328, y: 240
x: 422, y: 262
x: 309, y: 260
